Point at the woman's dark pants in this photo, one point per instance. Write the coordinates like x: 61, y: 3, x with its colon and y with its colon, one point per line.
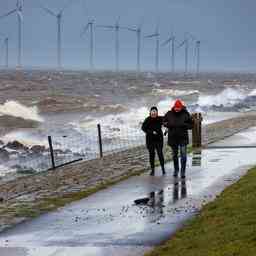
x: 152, y: 148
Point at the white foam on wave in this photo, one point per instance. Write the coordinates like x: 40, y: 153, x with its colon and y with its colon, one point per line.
x: 252, y: 93
x: 228, y: 97
x: 27, y: 138
x: 175, y: 93
x: 14, y: 108
x: 5, y: 170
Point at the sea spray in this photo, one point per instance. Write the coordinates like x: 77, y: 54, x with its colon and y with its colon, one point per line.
x: 226, y: 98
x: 14, y: 108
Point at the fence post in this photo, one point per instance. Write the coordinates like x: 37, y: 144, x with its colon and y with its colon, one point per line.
x: 197, y: 130
x: 100, y: 141
x: 51, y: 151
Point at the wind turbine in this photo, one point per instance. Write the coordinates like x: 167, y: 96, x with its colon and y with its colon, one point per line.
x: 138, y: 31
x: 90, y: 26
x: 171, y: 42
x: 6, y: 46
x: 197, y: 51
x: 116, y: 28
x: 186, y: 44
x: 18, y: 10
x: 156, y: 35
x: 58, y: 16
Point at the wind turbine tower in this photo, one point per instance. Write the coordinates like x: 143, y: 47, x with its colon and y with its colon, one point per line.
x: 156, y: 35
x: 58, y: 17
x: 90, y: 26
x: 138, y: 31
x: 186, y: 44
x: 116, y: 28
x: 6, y: 43
x: 171, y: 42
x: 18, y: 10
x: 198, y: 45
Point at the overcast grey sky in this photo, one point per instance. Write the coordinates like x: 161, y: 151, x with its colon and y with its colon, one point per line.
x: 225, y: 27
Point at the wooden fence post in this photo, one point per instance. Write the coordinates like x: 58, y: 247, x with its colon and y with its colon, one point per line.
x: 100, y: 141
x: 197, y: 130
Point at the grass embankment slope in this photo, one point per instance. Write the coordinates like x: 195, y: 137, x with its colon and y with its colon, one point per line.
x: 225, y: 227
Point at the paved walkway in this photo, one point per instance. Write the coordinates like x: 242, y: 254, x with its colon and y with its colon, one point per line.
x: 110, y: 223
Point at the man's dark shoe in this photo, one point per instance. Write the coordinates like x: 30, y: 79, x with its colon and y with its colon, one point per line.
x: 183, y: 177
x: 164, y: 173
x: 152, y: 173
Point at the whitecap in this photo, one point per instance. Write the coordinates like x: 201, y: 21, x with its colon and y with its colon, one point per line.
x: 14, y: 108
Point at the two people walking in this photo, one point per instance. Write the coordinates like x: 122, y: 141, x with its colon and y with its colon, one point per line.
x: 178, y: 121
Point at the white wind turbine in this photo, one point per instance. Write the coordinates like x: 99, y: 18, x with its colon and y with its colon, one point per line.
x: 138, y: 31
x: 6, y: 49
x: 171, y: 42
x: 197, y: 52
x: 18, y: 10
x: 58, y: 17
x: 156, y: 35
x: 116, y: 28
x: 188, y: 37
x: 90, y: 26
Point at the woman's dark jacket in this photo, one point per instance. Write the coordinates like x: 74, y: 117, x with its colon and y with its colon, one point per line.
x: 178, y: 124
x: 149, y: 126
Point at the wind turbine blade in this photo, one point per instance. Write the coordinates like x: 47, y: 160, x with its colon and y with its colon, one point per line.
x: 20, y: 15
x: 153, y: 35
x: 49, y: 11
x: 157, y: 28
x: 167, y: 41
x: 66, y: 6
x: 189, y: 36
x: 85, y: 29
x: 141, y: 23
x: 105, y: 26
x: 7, y: 14
x: 130, y: 29
x: 118, y: 20
x: 181, y: 44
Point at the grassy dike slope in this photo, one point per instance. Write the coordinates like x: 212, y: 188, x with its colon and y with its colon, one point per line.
x: 225, y: 227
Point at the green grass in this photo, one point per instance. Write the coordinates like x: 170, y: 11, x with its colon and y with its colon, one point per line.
x: 225, y: 227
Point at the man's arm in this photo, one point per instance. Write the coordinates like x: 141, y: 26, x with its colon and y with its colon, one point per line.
x: 189, y: 122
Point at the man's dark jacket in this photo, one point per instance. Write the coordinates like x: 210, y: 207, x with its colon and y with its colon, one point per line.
x: 178, y: 124
x: 149, y: 126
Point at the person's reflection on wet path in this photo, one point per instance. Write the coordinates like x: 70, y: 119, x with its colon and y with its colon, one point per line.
x: 197, y: 158
x: 179, y: 189
x: 156, y: 201
x: 154, y: 204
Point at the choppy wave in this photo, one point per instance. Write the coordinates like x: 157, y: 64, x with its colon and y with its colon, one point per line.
x: 14, y: 108
x: 252, y: 93
x: 27, y: 138
x: 174, y: 93
x: 226, y: 98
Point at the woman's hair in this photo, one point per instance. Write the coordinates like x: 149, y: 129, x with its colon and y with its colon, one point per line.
x: 153, y: 108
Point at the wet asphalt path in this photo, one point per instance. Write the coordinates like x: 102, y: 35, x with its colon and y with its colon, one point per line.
x: 110, y: 223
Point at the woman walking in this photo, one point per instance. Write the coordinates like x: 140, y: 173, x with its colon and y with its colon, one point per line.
x: 178, y: 121
x: 152, y: 126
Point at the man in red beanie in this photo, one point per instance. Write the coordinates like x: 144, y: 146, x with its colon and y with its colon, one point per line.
x: 178, y: 121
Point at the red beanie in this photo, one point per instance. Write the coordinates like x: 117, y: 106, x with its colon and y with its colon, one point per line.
x: 178, y: 105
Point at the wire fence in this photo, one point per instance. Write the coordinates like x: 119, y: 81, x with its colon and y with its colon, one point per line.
x: 93, y: 143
